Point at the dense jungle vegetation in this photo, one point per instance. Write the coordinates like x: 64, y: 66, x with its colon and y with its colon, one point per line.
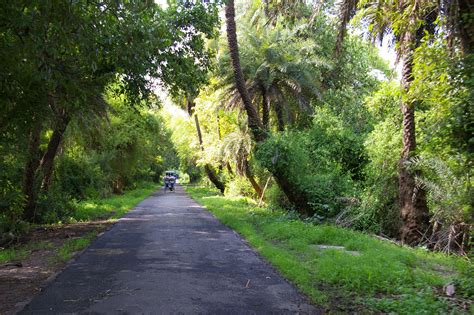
x: 286, y: 102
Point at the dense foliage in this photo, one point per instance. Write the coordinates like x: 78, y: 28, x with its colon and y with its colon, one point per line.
x: 295, y: 110
x: 76, y: 81
x: 333, y: 131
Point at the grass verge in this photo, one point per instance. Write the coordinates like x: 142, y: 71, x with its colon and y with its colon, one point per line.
x: 369, y: 275
x: 67, y: 251
x: 21, y: 252
x: 13, y: 254
x: 113, y: 207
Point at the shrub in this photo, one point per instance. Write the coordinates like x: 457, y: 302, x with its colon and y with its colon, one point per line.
x: 239, y: 186
x: 314, y: 171
x: 54, y: 206
x: 11, y: 209
x: 449, y: 195
x: 80, y: 178
x: 378, y: 208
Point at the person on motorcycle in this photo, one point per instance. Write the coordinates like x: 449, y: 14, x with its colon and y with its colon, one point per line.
x: 169, y: 180
x: 172, y: 181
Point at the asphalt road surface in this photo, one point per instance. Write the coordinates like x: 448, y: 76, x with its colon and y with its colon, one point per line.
x: 169, y: 255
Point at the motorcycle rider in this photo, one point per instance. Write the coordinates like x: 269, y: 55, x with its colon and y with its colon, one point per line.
x: 169, y: 180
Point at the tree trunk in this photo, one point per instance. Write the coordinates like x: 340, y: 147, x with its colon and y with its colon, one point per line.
x: 254, y: 122
x: 29, y: 175
x: 279, y: 115
x: 209, y: 171
x: 281, y: 106
x: 413, y: 207
x: 347, y: 11
x: 466, y: 26
x: 229, y: 169
x: 47, y: 162
x: 219, y: 136
x: 117, y: 185
x: 214, y: 179
x: 294, y: 194
x: 251, y: 178
x: 265, y: 108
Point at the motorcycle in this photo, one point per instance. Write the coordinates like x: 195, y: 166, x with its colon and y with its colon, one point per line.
x: 169, y: 185
x: 170, y: 180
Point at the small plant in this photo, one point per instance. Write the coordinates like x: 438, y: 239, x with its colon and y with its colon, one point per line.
x: 74, y: 245
x: 12, y: 254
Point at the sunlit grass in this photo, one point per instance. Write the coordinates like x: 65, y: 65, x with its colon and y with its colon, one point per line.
x: 113, y: 207
x: 380, y: 276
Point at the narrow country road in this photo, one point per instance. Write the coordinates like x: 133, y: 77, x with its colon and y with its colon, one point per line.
x: 169, y: 255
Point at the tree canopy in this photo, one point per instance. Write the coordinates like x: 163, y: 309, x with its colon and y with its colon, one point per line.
x: 286, y: 102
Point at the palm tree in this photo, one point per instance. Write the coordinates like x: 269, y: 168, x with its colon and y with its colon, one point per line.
x: 346, y: 12
x: 407, y: 20
x: 254, y: 122
x: 413, y: 206
x: 295, y: 195
x: 278, y: 76
x: 459, y: 20
x: 190, y: 105
x: 237, y: 147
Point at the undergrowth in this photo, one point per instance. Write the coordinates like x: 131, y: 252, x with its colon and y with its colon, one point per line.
x: 113, y: 207
x: 369, y: 275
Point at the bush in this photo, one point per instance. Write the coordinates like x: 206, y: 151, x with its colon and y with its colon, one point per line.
x: 183, y: 178
x: 81, y: 179
x: 449, y: 194
x: 315, y: 172
x: 54, y: 206
x: 378, y: 208
x: 276, y: 198
x: 239, y: 186
x: 12, y: 201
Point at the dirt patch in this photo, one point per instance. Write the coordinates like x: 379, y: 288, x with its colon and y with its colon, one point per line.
x: 22, y: 280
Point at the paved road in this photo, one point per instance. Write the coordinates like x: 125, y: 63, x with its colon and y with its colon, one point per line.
x: 169, y: 255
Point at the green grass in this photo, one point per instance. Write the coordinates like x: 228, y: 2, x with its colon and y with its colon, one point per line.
x: 113, y: 207
x: 21, y: 252
x: 13, y: 254
x: 66, y: 252
x: 384, y: 277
